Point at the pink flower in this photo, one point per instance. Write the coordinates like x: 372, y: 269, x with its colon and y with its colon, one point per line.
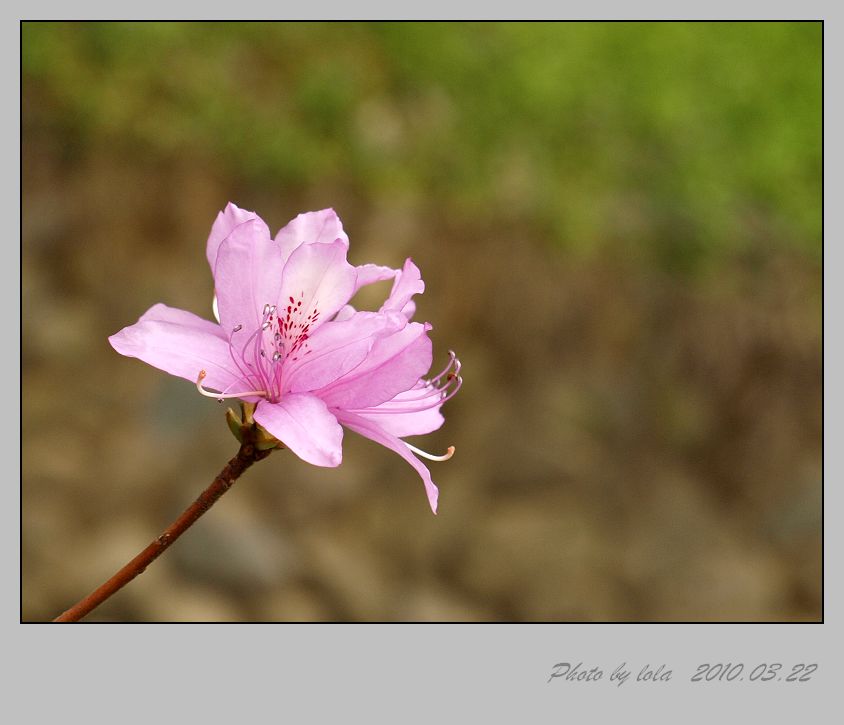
x: 288, y: 340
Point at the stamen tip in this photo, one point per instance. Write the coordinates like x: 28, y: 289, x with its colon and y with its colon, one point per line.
x: 425, y: 454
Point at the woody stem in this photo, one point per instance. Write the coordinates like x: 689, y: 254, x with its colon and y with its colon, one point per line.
x: 246, y: 456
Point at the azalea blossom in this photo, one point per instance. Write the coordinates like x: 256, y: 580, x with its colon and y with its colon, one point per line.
x: 287, y: 340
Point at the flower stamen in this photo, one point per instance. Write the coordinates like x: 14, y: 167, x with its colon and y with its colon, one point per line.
x: 223, y: 396
x: 427, y: 455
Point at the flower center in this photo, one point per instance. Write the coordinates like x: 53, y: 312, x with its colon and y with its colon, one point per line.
x: 260, y: 356
x: 294, y: 326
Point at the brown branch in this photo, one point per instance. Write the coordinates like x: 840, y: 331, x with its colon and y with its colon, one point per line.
x: 246, y: 456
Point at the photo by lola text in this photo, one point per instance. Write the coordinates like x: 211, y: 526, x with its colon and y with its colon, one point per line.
x: 704, y: 673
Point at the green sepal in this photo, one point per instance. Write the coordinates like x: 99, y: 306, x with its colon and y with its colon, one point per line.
x: 235, y: 424
x: 248, y: 409
x: 244, y: 426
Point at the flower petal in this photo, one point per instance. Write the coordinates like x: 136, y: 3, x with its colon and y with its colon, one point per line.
x: 312, y: 227
x: 231, y: 217
x: 374, y: 432
x: 397, y: 416
x: 408, y: 283
x: 372, y: 273
x: 180, y: 343
x: 319, y: 277
x: 417, y: 423
x: 394, y: 364
x: 247, y: 275
x: 337, y: 348
x: 305, y: 425
x: 409, y: 310
x: 345, y: 313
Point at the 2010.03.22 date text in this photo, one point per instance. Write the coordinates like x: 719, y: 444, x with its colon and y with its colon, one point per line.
x: 763, y: 672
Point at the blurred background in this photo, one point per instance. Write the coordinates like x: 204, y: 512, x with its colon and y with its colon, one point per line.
x: 619, y: 225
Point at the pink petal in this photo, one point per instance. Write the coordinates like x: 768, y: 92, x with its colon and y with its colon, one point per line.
x: 305, y: 425
x: 180, y: 343
x: 319, y: 277
x: 417, y: 423
x: 370, y: 430
x: 312, y: 227
x: 409, y: 310
x: 372, y: 273
x: 346, y: 312
x: 336, y: 348
x: 224, y: 224
x: 247, y: 276
x: 394, y: 364
x: 408, y: 283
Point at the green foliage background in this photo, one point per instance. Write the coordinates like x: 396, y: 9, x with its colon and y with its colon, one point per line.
x: 695, y: 127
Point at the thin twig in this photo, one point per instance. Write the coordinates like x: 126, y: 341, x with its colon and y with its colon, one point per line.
x: 246, y: 456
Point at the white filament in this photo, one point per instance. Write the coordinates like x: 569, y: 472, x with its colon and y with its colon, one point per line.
x: 220, y: 396
x: 430, y: 457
